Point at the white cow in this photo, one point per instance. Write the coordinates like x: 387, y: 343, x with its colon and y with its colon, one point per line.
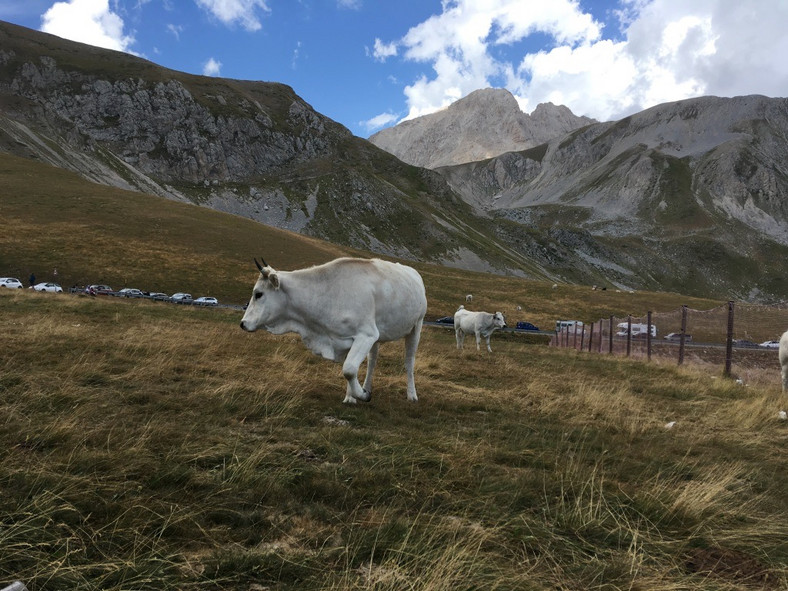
x: 343, y: 310
x: 784, y: 359
x: 482, y: 324
x: 469, y: 298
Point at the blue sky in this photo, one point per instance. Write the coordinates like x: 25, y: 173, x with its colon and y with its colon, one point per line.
x: 372, y: 63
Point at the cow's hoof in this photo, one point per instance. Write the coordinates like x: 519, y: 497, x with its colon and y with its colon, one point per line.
x: 367, y: 396
x: 349, y: 400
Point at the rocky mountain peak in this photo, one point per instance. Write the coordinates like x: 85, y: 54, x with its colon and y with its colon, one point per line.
x: 486, y: 123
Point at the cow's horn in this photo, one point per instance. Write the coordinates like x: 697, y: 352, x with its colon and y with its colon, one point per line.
x: 259, y: 266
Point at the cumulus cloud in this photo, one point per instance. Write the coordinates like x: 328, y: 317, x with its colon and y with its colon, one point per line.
x: 381, y: 50
x: 662, y: 50
x: 231, y: 12
x: 212, y: 67
x: 379, y: 121
x: 87, y: 21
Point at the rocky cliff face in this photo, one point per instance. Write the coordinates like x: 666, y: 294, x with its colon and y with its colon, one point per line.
x: 484, y: 124
x: 701, y: 184
x: 249, y: 148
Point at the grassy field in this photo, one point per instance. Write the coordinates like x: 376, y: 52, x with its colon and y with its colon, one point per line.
x: 150, y: 446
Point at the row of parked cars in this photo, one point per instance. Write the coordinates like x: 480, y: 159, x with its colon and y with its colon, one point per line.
x: 126, y: 292
x: 132, y: 292
x: 14, y: 283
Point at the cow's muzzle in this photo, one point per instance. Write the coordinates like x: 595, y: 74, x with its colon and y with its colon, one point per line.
x: 245, y: 327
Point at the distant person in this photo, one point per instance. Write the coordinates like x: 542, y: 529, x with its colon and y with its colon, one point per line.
x: 32, y: 279
x: 55, y: 273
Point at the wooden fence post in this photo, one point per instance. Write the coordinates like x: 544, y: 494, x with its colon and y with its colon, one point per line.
x: 629, y: 334
x: 610, y: 337
x: 591, y: 337
x: 682, y: 337
x: 601, y: 333
x: 729, y: 345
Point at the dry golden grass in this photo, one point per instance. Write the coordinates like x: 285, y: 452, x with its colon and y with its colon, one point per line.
x: 155, y: 446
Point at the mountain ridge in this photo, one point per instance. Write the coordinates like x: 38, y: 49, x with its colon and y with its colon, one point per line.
x: 606, y: 203
x: 486, y: 123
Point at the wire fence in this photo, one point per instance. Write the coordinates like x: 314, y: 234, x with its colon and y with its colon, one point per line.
x: 728, y: 335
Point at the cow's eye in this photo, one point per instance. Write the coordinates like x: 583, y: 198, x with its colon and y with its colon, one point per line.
x: 258, y: 295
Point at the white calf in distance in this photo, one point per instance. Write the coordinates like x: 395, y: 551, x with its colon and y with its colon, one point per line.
x: 481, y: 324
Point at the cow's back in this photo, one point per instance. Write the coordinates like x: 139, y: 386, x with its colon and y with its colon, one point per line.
x: 465, y: 320
x: 400, y: 298
x: 348, y: 292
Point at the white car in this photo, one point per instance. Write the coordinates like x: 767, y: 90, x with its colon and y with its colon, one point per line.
x: 46, y: 286
x: 206, y: 301
x: 130, y: 292
x: 10, y: 282
x: 770, y: 344
x: 181, y: 298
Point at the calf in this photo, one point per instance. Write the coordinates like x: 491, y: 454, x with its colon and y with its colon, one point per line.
x: 482, y: 324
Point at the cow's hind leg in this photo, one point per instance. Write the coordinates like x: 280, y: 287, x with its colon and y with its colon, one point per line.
x: 372, y: 359
x: 460, y: 336
x: 362, y: 345
x: 411, y: 345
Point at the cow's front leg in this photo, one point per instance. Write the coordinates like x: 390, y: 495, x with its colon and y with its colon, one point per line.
x: 372, y: 359
x: 478, y: 341
x: 361, y: 347
x: 489, y: 350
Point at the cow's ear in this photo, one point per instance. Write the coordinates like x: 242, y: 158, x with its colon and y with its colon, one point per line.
x: 273, y: 278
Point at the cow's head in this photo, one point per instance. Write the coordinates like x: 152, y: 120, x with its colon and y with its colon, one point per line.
x: 498, y: 320
x: 266, y: 302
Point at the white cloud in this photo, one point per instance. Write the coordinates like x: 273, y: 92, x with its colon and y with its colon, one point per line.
x: 176, y: 31
x: 379, y: 121
x: 382, y: 51
x: 665, y: 50
x: 87, y: 21
x: 212, y: 68
x: 231, y: 12
x: 350, y: 4
x: 296, y: 55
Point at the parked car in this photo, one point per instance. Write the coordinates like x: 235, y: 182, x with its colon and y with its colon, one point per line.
x: 98, y: 289
x: 130, y: 292
x: 572, y: 325
x: 181, y: 298
x: 525, y: 326
x: 46, y: 286
x: 446, y: 320
x: 206, y: 301
x: 156, y: 295
x: 10, y: 282
x: 770, y: 344
x: 638, y: 330
x: 676, y: 336
x: 744, y: 343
